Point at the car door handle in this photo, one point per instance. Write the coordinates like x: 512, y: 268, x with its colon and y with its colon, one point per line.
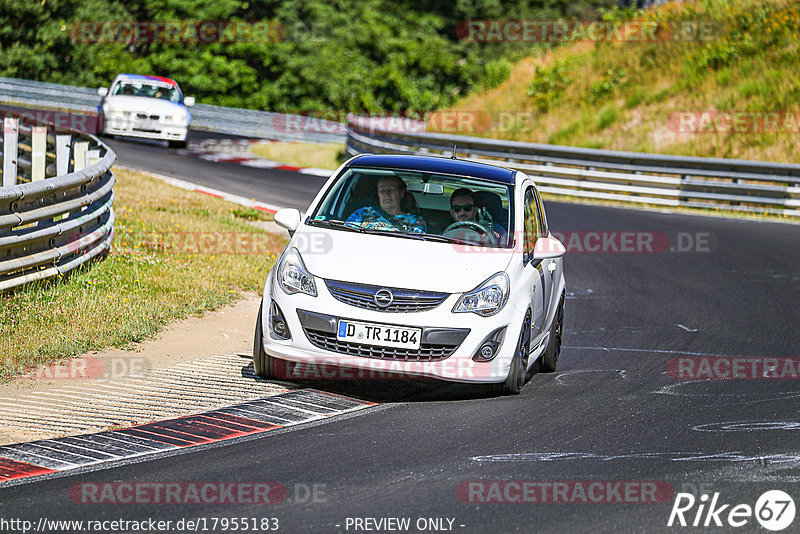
x: 551, y: 266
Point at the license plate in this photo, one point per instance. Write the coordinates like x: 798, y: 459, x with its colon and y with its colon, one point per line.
x: 146, y: 124
x: 379, y: 334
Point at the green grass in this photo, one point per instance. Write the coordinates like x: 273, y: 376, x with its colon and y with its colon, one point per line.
x: 323, y: 156
x: 607, y: 117
x: 175, y: 254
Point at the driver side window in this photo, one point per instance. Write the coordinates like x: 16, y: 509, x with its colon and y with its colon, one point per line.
x: 533, y: 230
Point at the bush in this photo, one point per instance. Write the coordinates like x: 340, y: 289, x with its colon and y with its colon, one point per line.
x: 549, y: 84
x: 496, y: 72
x: 611, y: 80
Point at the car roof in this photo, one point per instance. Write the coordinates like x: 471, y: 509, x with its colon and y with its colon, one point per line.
x: 147, y: 77
x: 436, y: 164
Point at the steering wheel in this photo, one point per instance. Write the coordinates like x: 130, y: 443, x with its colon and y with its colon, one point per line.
x: 484, y: 235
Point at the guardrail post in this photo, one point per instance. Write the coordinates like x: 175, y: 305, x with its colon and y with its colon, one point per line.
x: 38, y: 152
x: 92, y: 157
x: 62, y: 154
x: 10, y: 150
x: 79, y: 155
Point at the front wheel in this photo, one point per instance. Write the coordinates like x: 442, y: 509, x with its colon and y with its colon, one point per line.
x: 550, y: 356
x: 263, y: 363
x: 519, y: 364
x: 177, y: 144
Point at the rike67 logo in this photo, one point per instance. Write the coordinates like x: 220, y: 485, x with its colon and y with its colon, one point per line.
x: 774, y: 510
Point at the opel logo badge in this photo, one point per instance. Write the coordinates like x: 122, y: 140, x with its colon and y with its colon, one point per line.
x: 383, y: 298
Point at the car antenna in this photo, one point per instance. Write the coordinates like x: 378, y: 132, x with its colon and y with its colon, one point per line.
x: 453, y: 156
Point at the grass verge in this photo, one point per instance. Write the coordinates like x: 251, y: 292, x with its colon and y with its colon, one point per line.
x: 323, y: 156
x: 176, y: 253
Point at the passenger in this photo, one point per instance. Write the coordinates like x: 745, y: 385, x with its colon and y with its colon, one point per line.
x: 394, y: 211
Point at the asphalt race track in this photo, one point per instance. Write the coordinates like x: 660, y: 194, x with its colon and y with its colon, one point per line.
x: 282, y: 188
x: 616, y: 411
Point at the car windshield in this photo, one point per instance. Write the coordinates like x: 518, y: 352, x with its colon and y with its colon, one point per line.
x: 147, y: 90
x: 419, y: 205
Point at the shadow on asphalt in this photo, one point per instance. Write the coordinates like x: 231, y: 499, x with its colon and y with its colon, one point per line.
x: 379, y: 389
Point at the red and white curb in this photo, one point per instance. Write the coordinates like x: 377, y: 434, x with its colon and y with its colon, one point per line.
x: 230, y: 151
x: 189, y: 186
x: 48, y: 456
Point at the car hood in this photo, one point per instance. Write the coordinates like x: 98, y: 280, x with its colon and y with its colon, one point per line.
x: 140, y: 103
x: 395, y: 261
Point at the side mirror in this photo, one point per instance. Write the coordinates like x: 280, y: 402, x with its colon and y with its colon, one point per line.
x: 548, y: 247
x: 102, y: 91
x: 188, y: 101
x: 288, y: 218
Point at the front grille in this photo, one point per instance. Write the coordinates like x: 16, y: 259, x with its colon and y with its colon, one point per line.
x: 405, y: 300
x: 425, y: 353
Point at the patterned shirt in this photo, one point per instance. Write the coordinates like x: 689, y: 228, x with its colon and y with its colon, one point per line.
x: 370, y: 218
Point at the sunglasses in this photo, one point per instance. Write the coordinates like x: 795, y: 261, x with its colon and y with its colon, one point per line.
x: 465, y: 207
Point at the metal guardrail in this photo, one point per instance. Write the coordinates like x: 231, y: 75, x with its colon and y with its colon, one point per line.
x: 55, y: 202
x: 662, y: 180
x: 233, y: 121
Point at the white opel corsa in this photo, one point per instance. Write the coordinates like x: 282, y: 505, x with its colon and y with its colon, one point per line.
x: 416, y: 266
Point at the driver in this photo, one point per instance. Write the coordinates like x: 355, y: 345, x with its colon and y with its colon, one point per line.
x: 393, y: 212
x: 470, y: 219
x: 463, y: 208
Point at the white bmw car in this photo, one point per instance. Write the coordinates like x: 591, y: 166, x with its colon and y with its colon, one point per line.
x: 150, y: 107
x: 416, y: 266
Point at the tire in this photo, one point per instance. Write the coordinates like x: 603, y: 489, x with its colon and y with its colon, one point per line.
x: 550, y: 356
x: 517, y: 373
x: 177, y: 144
x: 263, y: 363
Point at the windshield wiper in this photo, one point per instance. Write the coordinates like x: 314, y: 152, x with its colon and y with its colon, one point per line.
x: 435, y: 237
x: 339, y: 225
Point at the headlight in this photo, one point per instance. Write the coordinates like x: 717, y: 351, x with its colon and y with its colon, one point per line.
x: 113, y: 113
x: 487, y: 299
x: 293, y: 277
x: 178, y: 118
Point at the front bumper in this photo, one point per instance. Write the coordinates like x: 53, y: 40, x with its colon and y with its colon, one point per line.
x: 145, y: 128
x: 448, y: 343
